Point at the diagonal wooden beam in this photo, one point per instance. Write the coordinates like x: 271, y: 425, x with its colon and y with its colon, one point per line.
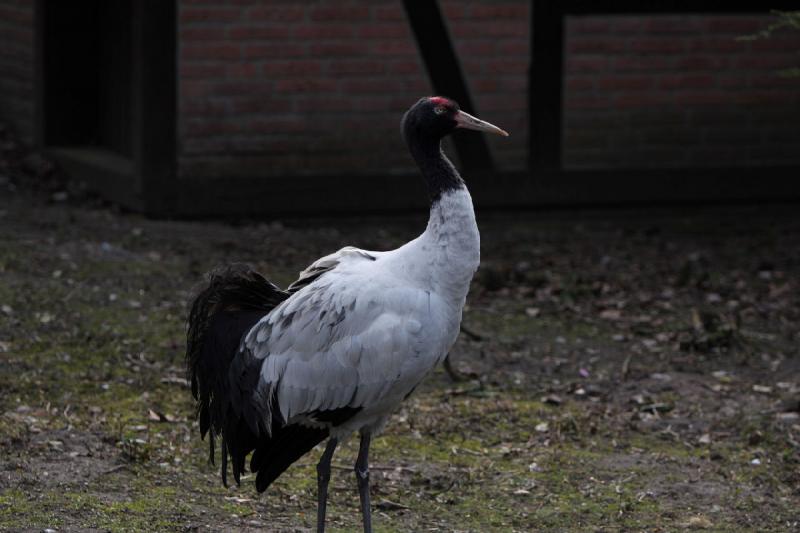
x: 545, y: 86
x: 445, y: 73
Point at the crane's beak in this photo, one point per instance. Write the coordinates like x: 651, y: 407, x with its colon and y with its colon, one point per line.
x: 467, y: 121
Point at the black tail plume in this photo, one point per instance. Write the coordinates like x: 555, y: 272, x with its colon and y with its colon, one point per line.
x: 226, y: 308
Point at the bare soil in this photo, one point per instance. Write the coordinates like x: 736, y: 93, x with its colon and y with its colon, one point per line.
x: 621, y: 371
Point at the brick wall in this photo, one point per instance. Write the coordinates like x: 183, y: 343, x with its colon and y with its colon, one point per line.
x: 679, y: 91
x: 16, y: 66
x: 319, y: 87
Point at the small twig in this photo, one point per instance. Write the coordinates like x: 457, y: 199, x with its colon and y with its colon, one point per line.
x: 454, y: 374
x: 446, y: 489
x: 626, y: 366
x: 113, y: 469
x: 388, y: 505
x: 471, y: 334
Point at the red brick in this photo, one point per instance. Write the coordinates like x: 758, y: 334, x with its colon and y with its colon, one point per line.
x: 190, y: 70
x: 643, y: 64
x: 274, y: 50
x: 323, y: 31
x: 202, y: 33
x: 454, y: 9
x: 260, y: 104
x: 513, y: 83
x: 321, y: 103
x: 499, y: 11
x: 306, y: 85
x: 298, y: 67
x: 683, y: 81
x: 249, y: 32
x: 733, y: 24
x: 704, y: 98
x: 395, y: 47
x: 352, y: 13
x: 404, y: 67
x: 614, y: 83
x: 211, y: 51
x: 374, y: 103
x: 335, y: 49
x: 277, y: 124
x: 640, y: 99
x: 242, y: 87
x: 478, y: 47
x: 498, y: 28
x: 596, y: 45
x: 773, y: 80
x: 587, y: 102
x: 716, y: 44
x: 209, y: 128
x: 657, y: 45
x: 236, y: 71
x: 627, y: 25
x: 210, y: 14
x: 506, y: 66
x: 205, y: 106
x: 577, y: 64
x: 670, y: 24
x: 205, y: 146
x: 503, y: 103
x: 384, y: 31
x: 389, y: 12
x: 762, y: 61
x: 783, y: 44
x: 357, y: 66
x: 276, y: 13
x: 701, y: 62
x: 513, y: 47
x: 374, y: 86
x: 733, y: 81
x: 195, y: 89
x: 579, y: 84
x: 486, y: 85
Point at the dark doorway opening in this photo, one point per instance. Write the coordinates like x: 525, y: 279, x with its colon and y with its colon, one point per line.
x: 108, y: 98
x: 88, y: 49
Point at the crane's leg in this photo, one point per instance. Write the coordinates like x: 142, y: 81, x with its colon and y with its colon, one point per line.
x: 362, y: 476
x: 323, y: 476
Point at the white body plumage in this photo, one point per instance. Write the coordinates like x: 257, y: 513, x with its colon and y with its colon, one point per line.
x: 368, y: 330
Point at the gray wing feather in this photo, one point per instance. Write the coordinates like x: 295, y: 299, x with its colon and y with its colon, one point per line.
x: 337, y: 341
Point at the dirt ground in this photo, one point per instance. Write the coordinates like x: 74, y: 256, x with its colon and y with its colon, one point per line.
x: 621, y: 371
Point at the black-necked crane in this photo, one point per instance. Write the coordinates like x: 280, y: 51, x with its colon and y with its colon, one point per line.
x: 275, y: 372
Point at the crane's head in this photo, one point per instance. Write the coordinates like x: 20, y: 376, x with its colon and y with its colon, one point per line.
x: 437, y: 116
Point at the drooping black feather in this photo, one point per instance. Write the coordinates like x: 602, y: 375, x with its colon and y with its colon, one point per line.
x: 225, y: 378
x: 287, y: 444
x: 233, y: 300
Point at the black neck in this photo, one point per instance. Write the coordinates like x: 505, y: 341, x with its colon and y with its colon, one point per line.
x: 439, y: 173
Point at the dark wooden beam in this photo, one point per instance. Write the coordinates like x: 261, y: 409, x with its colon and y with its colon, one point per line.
x: 636, y: 7
x: 445, y: 73
x: 544, y: 87
x: 324, y: 195
x: 38, y: 73
x: 155, y: 103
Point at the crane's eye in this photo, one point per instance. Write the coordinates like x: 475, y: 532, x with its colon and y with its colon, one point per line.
x: 439, y: 110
